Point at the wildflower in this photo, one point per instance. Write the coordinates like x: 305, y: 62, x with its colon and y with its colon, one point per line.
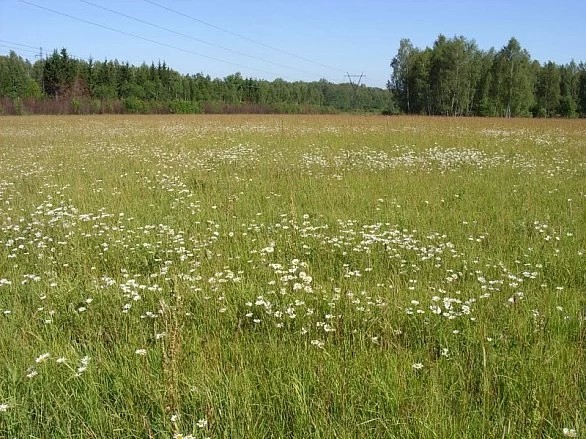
x: 4, y: 407
x: 83, y: 363
x: 318, y: 343
x: 202, y: 423
x: 435, y: 309
x: 140, y: 352
x: 42, y: 357
x: 417, y: 366
x: 32, y: 373
x: 569, y: 432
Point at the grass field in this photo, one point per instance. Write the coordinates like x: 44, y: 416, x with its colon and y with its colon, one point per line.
x: 295, y: 277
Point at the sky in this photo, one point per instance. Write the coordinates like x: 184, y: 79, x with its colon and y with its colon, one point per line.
x: 295, y: 40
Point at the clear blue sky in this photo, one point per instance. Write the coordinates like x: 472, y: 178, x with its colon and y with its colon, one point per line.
x: 338, y: 36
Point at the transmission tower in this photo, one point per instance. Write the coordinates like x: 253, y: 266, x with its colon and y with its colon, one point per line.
x: 354, y: 84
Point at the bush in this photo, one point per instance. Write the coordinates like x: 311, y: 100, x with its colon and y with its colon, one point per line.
x: 391, y: 110
x: 134, y: 105
x: 75, y: 106
x: 184, y: 107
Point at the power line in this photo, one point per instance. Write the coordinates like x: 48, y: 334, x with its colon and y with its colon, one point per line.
x: 37, y: 50
x: 199, y: 40
x: 243, y: 37
x: 18, y: 49
x: 143, y: 38
x: 18, y: 44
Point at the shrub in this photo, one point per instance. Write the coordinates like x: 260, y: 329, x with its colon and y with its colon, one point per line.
x: 134, y: 105
x: 184, y: 107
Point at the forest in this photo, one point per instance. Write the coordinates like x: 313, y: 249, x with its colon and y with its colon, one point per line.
x: 455, y: 78
x: 452, y: 78
x: 61, y: 84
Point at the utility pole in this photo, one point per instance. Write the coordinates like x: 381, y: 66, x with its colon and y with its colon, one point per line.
x: 355, y: 85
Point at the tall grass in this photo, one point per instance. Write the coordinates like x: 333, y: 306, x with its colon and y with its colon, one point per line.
x: 264, y: 276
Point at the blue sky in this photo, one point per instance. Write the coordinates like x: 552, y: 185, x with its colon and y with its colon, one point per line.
x: 336, y: 36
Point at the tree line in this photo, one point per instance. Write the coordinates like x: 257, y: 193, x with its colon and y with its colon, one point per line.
x: 63, y: 84
x: 454, y: 77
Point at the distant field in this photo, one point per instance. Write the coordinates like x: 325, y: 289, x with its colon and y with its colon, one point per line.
x: 270, y: 276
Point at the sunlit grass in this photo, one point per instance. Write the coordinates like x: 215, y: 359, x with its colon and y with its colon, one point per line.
x: 292, y: 277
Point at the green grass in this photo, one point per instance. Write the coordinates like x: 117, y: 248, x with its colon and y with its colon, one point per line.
x: 262, y: 276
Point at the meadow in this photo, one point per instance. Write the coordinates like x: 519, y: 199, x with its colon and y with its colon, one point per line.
x: 292, y: 277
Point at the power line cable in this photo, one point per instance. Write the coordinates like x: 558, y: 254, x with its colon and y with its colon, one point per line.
x: 144, y: 38
x: 199, y: 40
x: 19, y: 44
x: 37, y: 50
x: 243, y: 36
x: 18, y: 49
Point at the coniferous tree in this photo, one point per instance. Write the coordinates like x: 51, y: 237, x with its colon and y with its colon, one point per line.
x: 16, y: 78
x: 59, y: 72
